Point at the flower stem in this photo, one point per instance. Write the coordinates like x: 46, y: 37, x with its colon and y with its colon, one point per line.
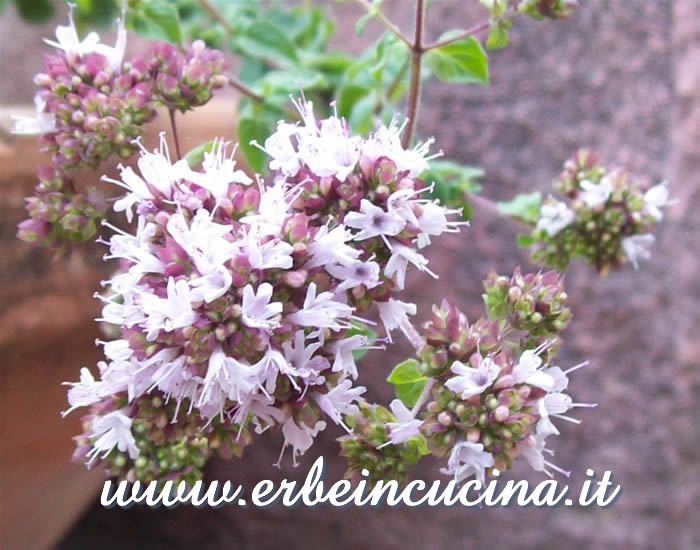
x: 217, y: 16
x: 384, y: 20
x: 412, y: 335
x: 175, y: 136
x: 248, y: 92
x: 423, y: 397
x: 417, y: 52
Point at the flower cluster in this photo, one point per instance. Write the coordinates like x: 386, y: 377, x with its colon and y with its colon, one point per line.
x: 372, y: 187
x: 383, y: 442
x: 534, y: 303
x: 553, y: 9
x: 607, y: 217
x: 490, y: 403
x: 58, y: 210
x: 237, y: 300
x: 92, y: 104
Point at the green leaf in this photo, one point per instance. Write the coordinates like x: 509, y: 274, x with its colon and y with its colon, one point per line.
x: 266, y: 41
x: 524, y: 240
x: 253, y: 129
x: 287, y: 82
x: 407, y: 381
x: 461, y: 61
x: 356, y: 103
x: 452, y: 182
x: 498, y: 35
x: 525, y: 207
x: 34, y: 11
x: 364, y: 330
x: 196, y: 155
x: 156, y: 19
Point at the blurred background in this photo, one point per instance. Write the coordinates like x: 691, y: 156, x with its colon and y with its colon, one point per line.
x: 620, y: 77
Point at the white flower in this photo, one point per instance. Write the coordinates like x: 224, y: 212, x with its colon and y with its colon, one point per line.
x: 68, y: 41
x: 226, y: 378
x: 329, y: 150
x: 84, y: 393
x: 401, y: 256
x: 355, y: 274
x: 112, y: 430
x: 204, y: 240
x: 169, y: 313
x: 467, y: 459
x: 273, y: 254
x: 637, y: 247
x: 406, y: 425
x: 527, y: 371
x: 339, y: 400
x: 211, y: 286
x: 386, y: 142
x: 257, y: 310
x: 300, y: 356
x: 554, y: 217
x: 552, y: 404
x: 271, y: 213
x: 394, y: 314
x: 321, y: 311
x: 159, y: 175
x: 300, y: 438
x: 329, y: 247
x: 115, y: 55
x: 219, y: 171
x: 279, y: 147
x: 43, y: 123
x: 343, y: 350
x: 655, y: 199
x: 373, y: 221
x: 596, y: 194
x: 472, y: 381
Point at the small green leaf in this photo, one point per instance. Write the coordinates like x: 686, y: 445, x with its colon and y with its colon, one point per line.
x: 461, y: 61
x: 524, y: 240
x: 525, y: 207
x: 263, y: 40
x: 252, y: 129
x: 407, y: 381
x: 196, y: 155
x: 498, y: 35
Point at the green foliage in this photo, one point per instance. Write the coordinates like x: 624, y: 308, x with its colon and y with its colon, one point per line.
x: 251, y: 129
x: 33, y: 11
x: 525, y: 207
x: 463, y: 61
x: 407, y: 381
x: 196, y: 156
x: 155, y: 19
x: 452, y: 182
